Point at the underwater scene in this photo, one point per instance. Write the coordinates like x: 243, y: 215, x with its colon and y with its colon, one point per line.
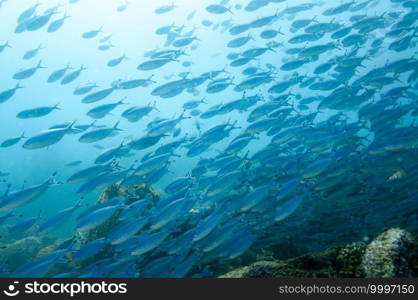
x: 211, y: 138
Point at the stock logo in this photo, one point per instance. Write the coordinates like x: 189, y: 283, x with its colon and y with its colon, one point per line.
x: 65, y: 288
x: 12, y: 290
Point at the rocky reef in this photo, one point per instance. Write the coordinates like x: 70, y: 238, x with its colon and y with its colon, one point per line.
x: 23, y: 250
x: 394, y: 253
x: 133, y: 192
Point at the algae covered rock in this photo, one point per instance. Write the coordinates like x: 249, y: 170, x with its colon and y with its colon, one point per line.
x: 133, y: 192
x: 348, y: 261
x: 36, y: 248
x: 237, y: 273
x: 136, y: 192
x: 394, y: 253
x: 22, y: 251
x: 315, y: 265
x: 391, y: 254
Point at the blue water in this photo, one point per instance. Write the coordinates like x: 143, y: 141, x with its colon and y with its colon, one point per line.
x: 133, y: 34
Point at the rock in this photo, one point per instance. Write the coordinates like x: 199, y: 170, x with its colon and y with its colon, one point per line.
x: 349, y: 259
x: 317, y: 265
x: 135, y: 192
x: 26, y: 249
x: 391, y: 255
x: 237, y: 273
x: 22, y: 251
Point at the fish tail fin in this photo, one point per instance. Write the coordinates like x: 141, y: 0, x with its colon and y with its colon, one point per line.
x: 82, y: 68
x: 150, y: 78
x: 339, y: 45
x: 122, y: 143
x: 116, y: 126
x: 6, y: 193
x: 133, y: 165
x: 182, y: 115
x: 154, y: 106
x: 78, y: 203
x: 235, y: 123
x: 22, y: 136
x: 123, y: 99
x: 8, y: 45
x: 18, y: 86
x: 93, y: 123
x: 224, y: 69
x: 271, y: 48
x: 71, y: 126
x: 277, y: 12
x: 39, y: 66
x: 245, y: 157
x: 52, y: 179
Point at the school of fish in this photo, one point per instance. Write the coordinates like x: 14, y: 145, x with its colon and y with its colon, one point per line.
x: 319, y: 145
